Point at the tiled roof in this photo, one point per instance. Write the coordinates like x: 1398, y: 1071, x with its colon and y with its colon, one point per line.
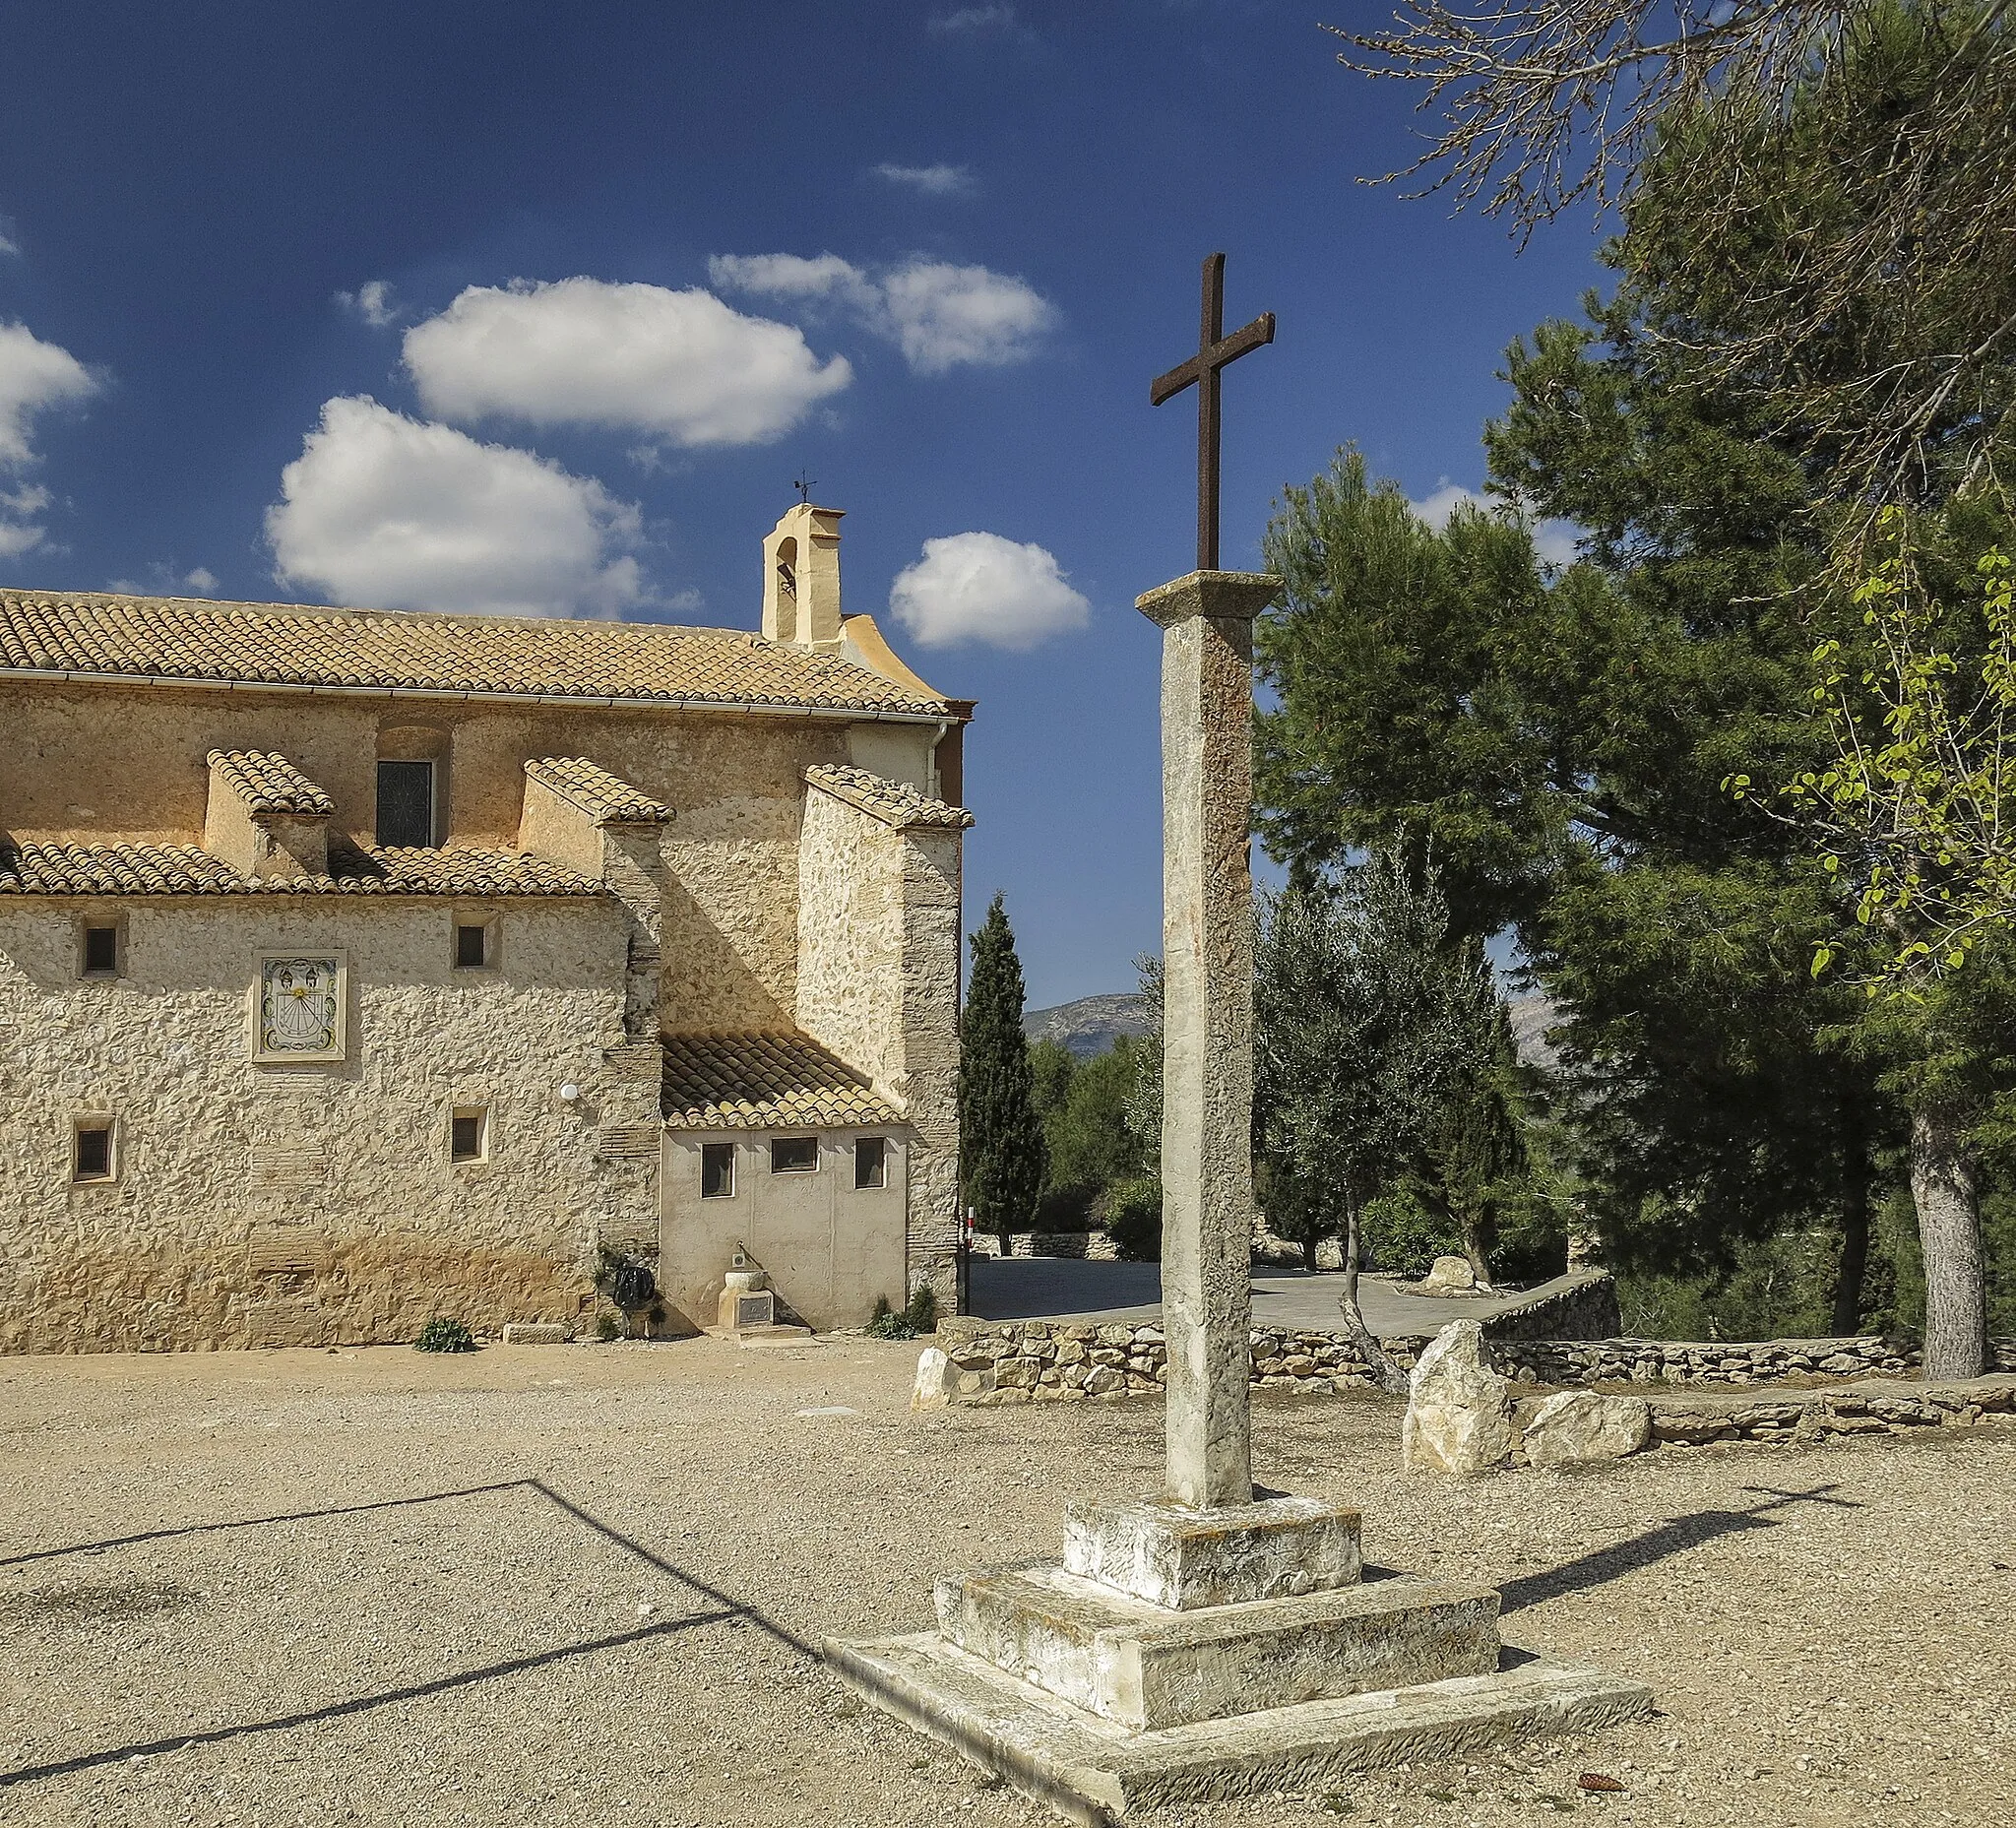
x: 270, y: 783
x: 179, y: 638
x: 183, y: 869
x: 892, y: 800
x: 597, y: 793
x: 765, y: 1080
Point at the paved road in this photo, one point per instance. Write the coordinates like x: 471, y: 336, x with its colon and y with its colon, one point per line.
x: 1063, y: 1287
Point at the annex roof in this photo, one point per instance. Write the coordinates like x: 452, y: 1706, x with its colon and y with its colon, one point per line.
x: 890, y: 800
x: 597, y: 792
x: 763, y: 1080
x: 185, y: 869
x: 270, y: 783
x: 288, y: 646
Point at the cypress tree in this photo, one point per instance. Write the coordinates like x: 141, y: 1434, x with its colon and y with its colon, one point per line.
x: 1003, y: 1160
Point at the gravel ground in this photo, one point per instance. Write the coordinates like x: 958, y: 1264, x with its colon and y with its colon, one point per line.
x: 582, y: 1585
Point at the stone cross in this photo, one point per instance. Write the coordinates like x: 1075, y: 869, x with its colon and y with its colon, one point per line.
x: 1214, y: 350
x: 1206, y: 929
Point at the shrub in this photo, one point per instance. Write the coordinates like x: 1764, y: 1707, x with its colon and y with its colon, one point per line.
x: 444, y: 1335
x: 919, y: 1315
x: 1133, y: 1219
x: 1403, y: 1238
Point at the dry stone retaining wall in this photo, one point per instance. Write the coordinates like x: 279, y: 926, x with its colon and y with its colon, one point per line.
x: 1008, y: 1363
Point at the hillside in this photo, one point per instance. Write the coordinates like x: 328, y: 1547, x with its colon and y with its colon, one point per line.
x: 1088, y: 1026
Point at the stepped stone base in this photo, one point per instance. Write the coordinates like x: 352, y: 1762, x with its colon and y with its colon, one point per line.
x: 1147, y: 1666
x: 1095, y: 1772
x: 1187, y: 1655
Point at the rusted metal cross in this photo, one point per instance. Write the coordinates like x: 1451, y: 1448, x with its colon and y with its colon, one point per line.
x: 1215, y: 349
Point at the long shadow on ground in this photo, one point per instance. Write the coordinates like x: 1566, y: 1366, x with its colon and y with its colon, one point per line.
x: 726, y: 1610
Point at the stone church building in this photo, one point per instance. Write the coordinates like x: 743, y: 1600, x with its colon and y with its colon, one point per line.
x: 358, y: 968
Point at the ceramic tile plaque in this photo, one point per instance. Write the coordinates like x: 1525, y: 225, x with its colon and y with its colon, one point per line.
x: 299, y: 1011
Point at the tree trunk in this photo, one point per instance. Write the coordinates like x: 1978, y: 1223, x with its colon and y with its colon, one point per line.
x: 1856, y: 1177
x: 1385, y: 1373
x: 1480, y: 1234
x: 1307, y: 1247
x: 1942, y: 1188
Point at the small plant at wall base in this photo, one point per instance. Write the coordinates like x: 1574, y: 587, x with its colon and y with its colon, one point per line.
x: 916, y: 1317
x: 444, y: 1335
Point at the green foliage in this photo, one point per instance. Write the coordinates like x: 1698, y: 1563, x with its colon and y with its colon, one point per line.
x: 1915, y: 816
x: 1003, y: 1160
x: 1083, y: 1105
x: 1363, y: 1025
x: 916, y: 1317
x: 444, y: 1335
x: 1403, y: 1236
x: 1133, y: 1219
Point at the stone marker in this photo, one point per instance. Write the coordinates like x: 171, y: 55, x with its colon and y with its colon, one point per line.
x: 1576, y: 1425
x: 937, y: 1380
x: 1458, y: 1410
x: 1209, y: 1642
x: 1450, y: 1275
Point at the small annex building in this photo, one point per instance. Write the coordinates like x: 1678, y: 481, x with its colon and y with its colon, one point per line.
x: 358, y: 968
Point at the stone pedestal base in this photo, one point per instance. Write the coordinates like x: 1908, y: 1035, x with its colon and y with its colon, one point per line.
x: 1184, y: 1656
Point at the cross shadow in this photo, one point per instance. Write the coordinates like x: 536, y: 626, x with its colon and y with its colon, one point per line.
x: 724, y: 1611
x: 1671, y: 1537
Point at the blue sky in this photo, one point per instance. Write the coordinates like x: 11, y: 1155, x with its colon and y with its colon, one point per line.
x: 259, y: 335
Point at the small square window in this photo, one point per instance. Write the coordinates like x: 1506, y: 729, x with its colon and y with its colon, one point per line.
x: 101, y: 950
x: 871, y: 1162
x: 716, y: 1171
x: 795, y: 1154
x: 469, y: 1136
x: 92, y: 1156
x: 471, y: 945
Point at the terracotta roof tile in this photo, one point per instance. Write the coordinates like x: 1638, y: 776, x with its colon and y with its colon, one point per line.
x: 597, y: 793
x: 270, y: 783
x: 765, y: 1080
x: 184, y: 869
x: 280, y: 643
x: 890, y: 800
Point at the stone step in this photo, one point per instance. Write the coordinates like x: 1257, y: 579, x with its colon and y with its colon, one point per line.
x: 1146, y: 1666
x: 1097, y: 1772
x: 1173, y: 1556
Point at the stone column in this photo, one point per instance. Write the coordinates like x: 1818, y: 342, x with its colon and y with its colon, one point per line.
x: 1206, y: 1164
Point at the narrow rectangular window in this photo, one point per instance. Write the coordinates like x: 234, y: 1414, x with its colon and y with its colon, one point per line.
x: 471, y: 944
x: 716, y: 1171
x: 469, y: 1138
x: 92, y: 1156
x: 101, y: 950
x: 871, y: 1162
x: 795, y: 1154
x: 406, y: 804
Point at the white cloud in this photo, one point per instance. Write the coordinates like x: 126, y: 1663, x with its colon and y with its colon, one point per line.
x: 981, y: 586
x: 929, y: 180
x: 975, y: 20
x: 1554, y: 542
x: 680, y: 366
x: 940, y: 316
x: 9, y: 246
x: 384, y: 511
x: 373, y: 301
x: 20, y: 531
x: 201, y: 580
x: 35, y: 378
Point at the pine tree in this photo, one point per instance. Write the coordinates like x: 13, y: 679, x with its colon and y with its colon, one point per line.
x: 1003, y: 1158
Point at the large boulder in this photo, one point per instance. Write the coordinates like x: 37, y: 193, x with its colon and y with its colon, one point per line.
x: 1574, y: 1426
x: 1458, y: 1410
x: 937, y: 1380
x: 1450, y: 1275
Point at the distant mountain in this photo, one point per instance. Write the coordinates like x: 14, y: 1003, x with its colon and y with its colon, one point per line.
x: 1532, y: 1017
x: 1088, y: 1026
x: 1093, y: 1024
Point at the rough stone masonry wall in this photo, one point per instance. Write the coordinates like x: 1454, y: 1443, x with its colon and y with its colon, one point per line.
x: 259, y: 1205
x: 878, y: 983
x: 1009, y: 1363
